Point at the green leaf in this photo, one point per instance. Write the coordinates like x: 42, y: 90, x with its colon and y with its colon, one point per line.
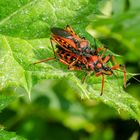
x: 134, y: 4
x: 124, y: 29
x: 24, y: 53
x: 5, y: 101
x: 114, y: 95
x: 118, y: 6
x: 11, y: 73
x: 33, y: 19
x: 4, y: 135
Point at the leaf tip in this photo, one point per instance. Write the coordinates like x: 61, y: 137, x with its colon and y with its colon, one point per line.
x: 29, y: 96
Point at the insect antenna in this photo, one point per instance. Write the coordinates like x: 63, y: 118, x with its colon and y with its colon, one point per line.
x: 133, y: 75
x: 136, y: 79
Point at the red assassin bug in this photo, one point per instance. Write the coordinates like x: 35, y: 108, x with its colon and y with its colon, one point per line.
x: 76, y: 53
x: 71, y: 42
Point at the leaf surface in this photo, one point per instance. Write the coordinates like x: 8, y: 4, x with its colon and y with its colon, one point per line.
x: 4, y: 135
x: 33, y: 19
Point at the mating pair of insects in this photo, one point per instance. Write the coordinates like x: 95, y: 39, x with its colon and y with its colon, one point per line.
x: 75, y: 52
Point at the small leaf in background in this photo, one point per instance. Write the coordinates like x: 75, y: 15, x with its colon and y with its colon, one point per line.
x: 5, y: 101
x: 4, y: 135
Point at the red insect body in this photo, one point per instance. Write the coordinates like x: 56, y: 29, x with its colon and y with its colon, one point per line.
x: 69, y: 41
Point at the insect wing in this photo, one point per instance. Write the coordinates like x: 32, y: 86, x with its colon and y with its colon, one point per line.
x: 64, y: 43
x: 60, y: 32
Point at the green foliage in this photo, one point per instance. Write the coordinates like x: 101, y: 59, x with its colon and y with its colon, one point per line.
x: 125, y: 31
x: 4, y: 135
x: 24, y: 39
x: 5, y: 100
x: 33, y: 19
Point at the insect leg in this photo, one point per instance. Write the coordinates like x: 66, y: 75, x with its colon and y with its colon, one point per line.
x: 102, y: 88
x: 108, y: 57
x: 102, y: 85
x: 99, y: 49
x: 84, y: 78
x: 118, y: 66
x: 124, y: 71
x: 44, y: 60
x: 51, y: 40
x: 100, y: 60
x: 71, y: 64
x: 114, y: 60
x: 105, y: 49
x: 70, y: 67
x: 64, y: 62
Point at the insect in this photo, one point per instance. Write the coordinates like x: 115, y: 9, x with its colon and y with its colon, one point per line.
x: 76, y: 53
x: 70, y: 41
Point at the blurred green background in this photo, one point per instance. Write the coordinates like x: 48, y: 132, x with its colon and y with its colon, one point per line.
x: 56, y: 111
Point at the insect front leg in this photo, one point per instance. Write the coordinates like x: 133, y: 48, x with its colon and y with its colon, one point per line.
x: 102, y: 88
x: 110, y: 57
x: 118, y: 66
x: 122, y: 67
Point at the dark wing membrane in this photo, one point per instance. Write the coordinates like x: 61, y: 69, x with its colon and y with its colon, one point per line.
x: 60, y: 32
